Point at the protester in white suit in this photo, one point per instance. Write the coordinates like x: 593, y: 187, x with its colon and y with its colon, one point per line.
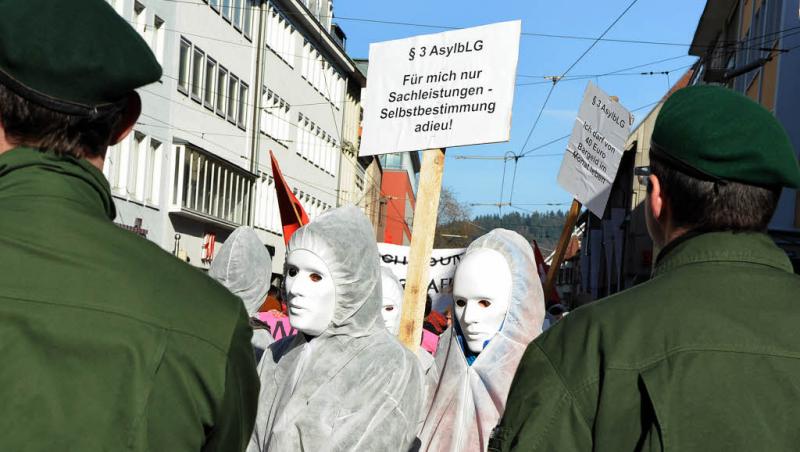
x: 498, y: 309
x: 344, y: 383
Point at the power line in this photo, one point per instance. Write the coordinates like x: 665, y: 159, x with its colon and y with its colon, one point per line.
x: 526, y: 154
x: 449, y: 27
x: 555, y: 80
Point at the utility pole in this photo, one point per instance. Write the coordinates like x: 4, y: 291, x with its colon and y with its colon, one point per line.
x: 261, y: 63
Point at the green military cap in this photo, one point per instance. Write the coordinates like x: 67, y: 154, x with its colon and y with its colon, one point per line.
x: 74, y: 56
x: 718, y: 134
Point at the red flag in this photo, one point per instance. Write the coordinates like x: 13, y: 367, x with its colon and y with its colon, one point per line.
x: 293, y: 216
x: 543, y: 268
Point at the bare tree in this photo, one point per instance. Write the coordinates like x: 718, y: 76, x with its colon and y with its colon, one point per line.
x: 454, y: 229
x: 451, y: 210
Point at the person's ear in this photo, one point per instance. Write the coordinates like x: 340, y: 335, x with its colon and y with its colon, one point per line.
x: 129, y: 116
x: 655, y: 198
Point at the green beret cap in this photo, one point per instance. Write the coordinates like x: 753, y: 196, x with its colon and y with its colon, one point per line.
x: 73, y: 56
x: 718, y: 134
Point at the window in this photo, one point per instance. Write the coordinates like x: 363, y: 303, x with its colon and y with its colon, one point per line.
x: 158, y: 39
x: 222, y: 86
x: 116, y: 166
x: 275, y: 118
x: 140, y: 20
x: 133, y: 183
x: 198, y: 66
x: 226, y: 9
x: 281, y: 37
x: 242, y: 116
x: 321, y: 75
x: 209, y: 90
x: 214, y: 4
x: 183, y: 66
x: 152, y: 173
x: 247, y: 18
x: 316, y: 145
x: 233, y: 92
x: 236, y: 11
x: 266, y: 214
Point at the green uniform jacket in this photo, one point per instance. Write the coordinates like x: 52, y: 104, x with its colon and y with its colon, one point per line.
x: 107, y: 342
x: 703, y: 357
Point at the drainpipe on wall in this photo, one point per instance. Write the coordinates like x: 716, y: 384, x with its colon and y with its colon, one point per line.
x: 256, y: 110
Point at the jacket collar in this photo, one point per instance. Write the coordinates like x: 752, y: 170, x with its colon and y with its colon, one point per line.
x: 752, y: 247
x: 44, y: 174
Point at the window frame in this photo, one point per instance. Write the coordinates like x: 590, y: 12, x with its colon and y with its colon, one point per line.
x: 247, y: 19
x: 210, y: 91
x: 159, y: 37
x: 153, y: 172
x: 236, y: 14
x: 232, y: 100
x: 225, y: 9
x: 244, y: 92
x: 222, y: 90
x: 197, y: 97
x: 183, y: 85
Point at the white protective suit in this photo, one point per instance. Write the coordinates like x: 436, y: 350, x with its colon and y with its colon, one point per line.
x: 353, y: 387
x: 425, y: 359
x: 244, y: 267
x: 470, y: 400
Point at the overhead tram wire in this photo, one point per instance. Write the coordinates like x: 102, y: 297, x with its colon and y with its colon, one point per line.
x: 541, y: 146
x: 585, y: 52
x: 450, y: 27
x: 663, y: 60
x: 556, y: 80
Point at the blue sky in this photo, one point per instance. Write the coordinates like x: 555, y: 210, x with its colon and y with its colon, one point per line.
x: 479, y: 181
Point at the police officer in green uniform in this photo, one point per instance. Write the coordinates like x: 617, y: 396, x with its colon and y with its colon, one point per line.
x: 107, y: 342
x: 705, y: 356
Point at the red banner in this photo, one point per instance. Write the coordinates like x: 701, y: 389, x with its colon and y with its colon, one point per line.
x: 293, y: 216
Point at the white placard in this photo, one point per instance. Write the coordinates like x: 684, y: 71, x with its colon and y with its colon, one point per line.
x: 440, y: 90
x: 442, y: 269
x: 595, y: 149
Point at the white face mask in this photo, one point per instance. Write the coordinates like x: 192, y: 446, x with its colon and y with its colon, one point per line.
x: 482, y: 294
x: 392, y: 302
x: 310, y: 292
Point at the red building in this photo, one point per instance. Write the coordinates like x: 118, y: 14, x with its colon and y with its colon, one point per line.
x: 399, y: 189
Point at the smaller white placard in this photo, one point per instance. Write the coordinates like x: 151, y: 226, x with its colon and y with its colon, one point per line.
x: 440, y: 90
x: 595, y: 149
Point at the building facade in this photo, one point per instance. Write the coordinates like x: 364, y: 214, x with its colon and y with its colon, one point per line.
x: 241, y: 78
x: 753, y: 46
x: 399, y: 190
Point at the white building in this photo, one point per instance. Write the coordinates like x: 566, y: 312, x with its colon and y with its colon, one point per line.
x: 197, y: 164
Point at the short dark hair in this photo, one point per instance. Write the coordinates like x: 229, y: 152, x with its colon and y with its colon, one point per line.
x: 29, y: 124
x: 706, y: 205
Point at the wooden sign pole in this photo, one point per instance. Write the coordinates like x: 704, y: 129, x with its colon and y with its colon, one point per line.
x: 563, y: 242
x: 422, y: 235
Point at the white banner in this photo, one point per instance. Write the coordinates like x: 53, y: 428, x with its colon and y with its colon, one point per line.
x: 442, y: 269
x: 595, y: 149
x: 440, y: 90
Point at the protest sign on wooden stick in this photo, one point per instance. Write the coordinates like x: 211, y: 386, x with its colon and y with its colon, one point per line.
x: 454, y: 88
x: 422, y: 235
